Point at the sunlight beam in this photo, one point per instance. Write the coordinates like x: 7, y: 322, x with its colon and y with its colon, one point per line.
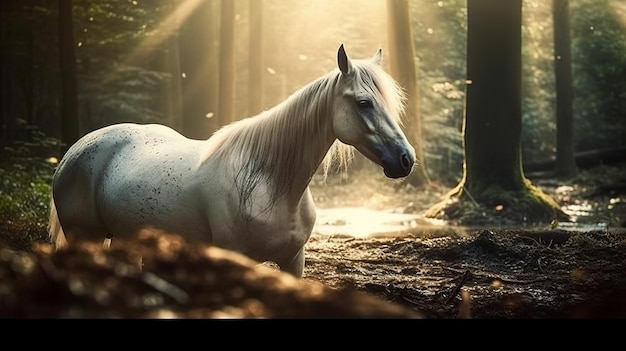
x: 164, y: 30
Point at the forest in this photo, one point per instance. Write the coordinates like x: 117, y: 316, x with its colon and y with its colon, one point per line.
x: 516, y: 110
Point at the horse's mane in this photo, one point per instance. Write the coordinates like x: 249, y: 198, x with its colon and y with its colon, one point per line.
x: 272, y: 146
x: 387, y: 89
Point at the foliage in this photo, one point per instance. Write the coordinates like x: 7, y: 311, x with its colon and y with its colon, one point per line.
x: 599, y: 68
x: 129, y: 95
x: 25, y: 179
x: 598, y: 65
x: 117, y: 81
x: 440, y: 35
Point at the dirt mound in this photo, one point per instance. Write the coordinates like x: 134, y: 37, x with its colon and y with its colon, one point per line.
x: 178, y: 280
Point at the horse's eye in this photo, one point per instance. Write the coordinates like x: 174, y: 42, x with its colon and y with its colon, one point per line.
x: 365, y: 103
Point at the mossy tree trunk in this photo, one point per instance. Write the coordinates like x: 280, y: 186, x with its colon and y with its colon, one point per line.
x: 493, y: 182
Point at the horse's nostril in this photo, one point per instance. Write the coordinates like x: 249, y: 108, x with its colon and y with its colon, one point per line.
x: 406, y: 161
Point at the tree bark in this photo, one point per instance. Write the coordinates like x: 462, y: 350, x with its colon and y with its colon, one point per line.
x: 198, y: 67
x: 583, y: 159
x: 226, y: 104
x: 69, y: 102
x: 493, y: 120
x: 565, y: 162
x: 255, y: 58
x: 169, y: 62
x: 7, y: 121
x: 402, y: 68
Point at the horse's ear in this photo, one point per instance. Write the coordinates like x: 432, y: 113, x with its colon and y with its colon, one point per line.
x: 343, y: 61
x: 378, y: 57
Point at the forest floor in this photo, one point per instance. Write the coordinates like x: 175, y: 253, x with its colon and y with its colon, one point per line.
x: 406, y: 268
x: 571, y: 270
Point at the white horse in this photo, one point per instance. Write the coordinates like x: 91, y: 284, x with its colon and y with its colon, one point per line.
x: 246, y: 188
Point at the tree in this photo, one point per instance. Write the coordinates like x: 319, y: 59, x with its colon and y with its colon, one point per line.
x: 255, y: 57
x: 171, y: 88
x: 69, y: 101
x: 226, y: 104
x: 402, y: 67
x: 198, y: 66
x: 13, y: 68
x: 565, y: 163
x: 493, y: 179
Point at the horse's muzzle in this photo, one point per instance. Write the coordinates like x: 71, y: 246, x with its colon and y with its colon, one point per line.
x: 399, y: 166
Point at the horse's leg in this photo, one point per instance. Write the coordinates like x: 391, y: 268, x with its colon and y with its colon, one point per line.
x: 107, y: 244
x: 107, y: 241
x: 296, y: 266
x: 55, y: 232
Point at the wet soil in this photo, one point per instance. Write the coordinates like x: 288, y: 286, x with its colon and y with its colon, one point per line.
x: 486, y: 274
x: 564, y: 270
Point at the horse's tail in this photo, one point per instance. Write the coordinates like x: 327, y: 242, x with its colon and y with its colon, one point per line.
x: 57, y: 237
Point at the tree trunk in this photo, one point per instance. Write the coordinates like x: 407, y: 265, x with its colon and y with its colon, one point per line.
x: 565, y: 163
x: 401, y: 59
x: 197, y: 64
x: 493, y: 182
x: 7, y: 121
x: 493, y: 120
x: 584, y: 160
x: 255, y: 58
x: 171, y: 94
x: 169, y: 62
x: 226, y: 104
x: 69, y: 101
x: 87, y: 121
x: 28, y: 87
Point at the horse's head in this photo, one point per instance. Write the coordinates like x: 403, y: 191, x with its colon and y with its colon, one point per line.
x: 367, y: 114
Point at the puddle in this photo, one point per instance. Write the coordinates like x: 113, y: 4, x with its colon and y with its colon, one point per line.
x: 583, y: 227
x: 362, y: 222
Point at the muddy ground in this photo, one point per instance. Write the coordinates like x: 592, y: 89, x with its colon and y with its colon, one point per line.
x: 567, y: 271
x: 488, y: 274
x: 425, y: 270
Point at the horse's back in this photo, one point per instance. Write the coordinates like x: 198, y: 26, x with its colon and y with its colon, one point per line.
x: 95, y: 151
x: 97, y: 148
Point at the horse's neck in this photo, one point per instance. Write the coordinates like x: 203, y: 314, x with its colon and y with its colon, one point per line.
x: 302, y: 130
x: 282, y: 147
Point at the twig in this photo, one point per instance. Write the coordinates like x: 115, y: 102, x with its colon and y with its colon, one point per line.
x: 504, y: 280
x: 539, y: 243
x: 470, y: 196
x: 539, y: 265
x: 333, y: 236
x: 164, y: 287
x: 459, y: 285
x: 375, y: 261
